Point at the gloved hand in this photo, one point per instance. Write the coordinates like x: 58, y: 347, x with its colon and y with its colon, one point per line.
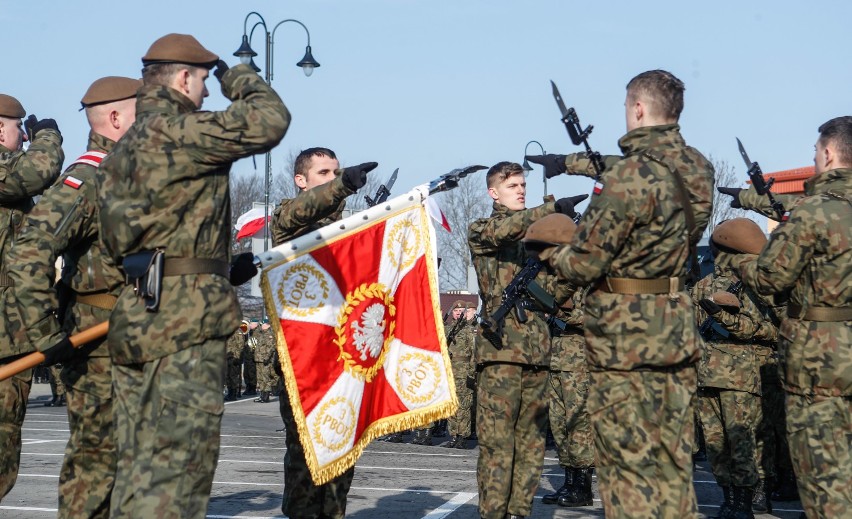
x: 734, y: 192
x: 221, y: 68
x: 242, y: 269
x: 59, y: 353
x: 553, y: 164
x: 470, y: 382
x: 566, y: 205
x: 33, y: 125
x: 355, y: 177
x: 710, y: 307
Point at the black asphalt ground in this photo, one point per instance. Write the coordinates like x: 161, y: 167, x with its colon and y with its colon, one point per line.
x: 393, y: 481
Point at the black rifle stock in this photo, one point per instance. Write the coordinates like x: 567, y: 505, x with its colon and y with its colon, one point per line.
x: 706, y: 328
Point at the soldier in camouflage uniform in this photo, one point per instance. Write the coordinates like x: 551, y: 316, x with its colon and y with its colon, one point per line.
x: 323, y: 187
x: 649, y: 210
x: 729, y: 372
x: 22, y: 176
x: 460, y: 330
x: 264, y: 354
x: 511, y: 403
x: 234, y: 361
x: 57, y: 386
x: 249, y: 367
x: 166, y: 186
x: 64, y: 224
x: 811, y: 253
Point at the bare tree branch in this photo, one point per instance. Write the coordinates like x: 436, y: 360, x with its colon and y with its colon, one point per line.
x: 722, y: 210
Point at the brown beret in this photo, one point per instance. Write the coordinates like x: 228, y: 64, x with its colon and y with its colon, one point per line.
x: 725, y: 299
x: 179, y: 48
x: 739, y: 234
x: 458, y: 304
x: 470, y: 305
x: 109, y: 89
x: 11, y: 107
x: 555, y: 229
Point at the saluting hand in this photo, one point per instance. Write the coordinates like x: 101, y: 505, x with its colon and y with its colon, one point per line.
x: 221, y: 68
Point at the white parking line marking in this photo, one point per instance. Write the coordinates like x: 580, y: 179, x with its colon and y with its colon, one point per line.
x: 450, y: 506
x: 33, y: 442
x: 365, y: 452
x: 42, y: 454
x: 65, y: 422
x: 45, y: 430
x: 28, y: 509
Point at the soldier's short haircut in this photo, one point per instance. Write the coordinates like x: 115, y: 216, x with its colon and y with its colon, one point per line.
x: 838, y: 131
x: 661, y: 89
x: 162, y: 73
x: 501, y: 171
x: 303, y: 160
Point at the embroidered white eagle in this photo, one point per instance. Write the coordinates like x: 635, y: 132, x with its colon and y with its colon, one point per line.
x: 370, y: 335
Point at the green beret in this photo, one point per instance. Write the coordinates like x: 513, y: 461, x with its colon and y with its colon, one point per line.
x: 179, y: 48
x: 11, y: 107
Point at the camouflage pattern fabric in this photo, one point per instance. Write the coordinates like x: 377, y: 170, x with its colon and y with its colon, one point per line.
x: 57, y: 386
x: 267, y: 378
x: 640, y: 347
x: 22, y: 176
x: 772, y: 450
x: 166, y: 184
x: 308, y: 211
x: 511, y: 412
x: 234, y: 362
x: 811, y: 253
x: 64, y: 223
x: 249, y: 366
x: 461, y: 361
x: 511, y: 457
x: 729, y: 419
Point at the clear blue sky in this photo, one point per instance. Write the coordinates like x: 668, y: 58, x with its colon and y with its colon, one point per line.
x: 427, y: 86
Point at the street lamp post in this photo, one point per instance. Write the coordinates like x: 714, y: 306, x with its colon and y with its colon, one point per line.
x: 529, y: 168
x: 246, y: 55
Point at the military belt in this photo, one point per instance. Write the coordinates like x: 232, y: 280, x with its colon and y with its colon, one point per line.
x: 640, y: 286
x: 820, y: 313
x: 102, y: 300
x: 6, y: 281
x: 185, y: 266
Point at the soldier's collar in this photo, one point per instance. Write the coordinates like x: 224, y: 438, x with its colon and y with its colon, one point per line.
x: 650, y: 136
x: 98, y: 142
x: 158, y: 98
x: 814, y: 184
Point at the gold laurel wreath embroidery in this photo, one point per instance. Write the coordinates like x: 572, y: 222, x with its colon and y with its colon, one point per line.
x: 311, y: 270
x: 353, y: 299
x: 406, y: 253
x: 435, y: 370
x: 318, y: 423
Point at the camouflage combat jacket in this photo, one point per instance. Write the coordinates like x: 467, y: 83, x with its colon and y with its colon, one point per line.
x: 265, y: 351
x: 461, y: 347
x: 64, y: 223
x: 731, y: 362
x: 635, y: 228
x: 22, y: 176
x: 498, y: 255
x: 569, y: 346
x: 812, y: 254
x: 165, y: 185
x: 310, y: 210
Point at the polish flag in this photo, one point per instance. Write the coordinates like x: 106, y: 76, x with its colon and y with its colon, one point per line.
x: 250, y: 223
x: 436, y: 214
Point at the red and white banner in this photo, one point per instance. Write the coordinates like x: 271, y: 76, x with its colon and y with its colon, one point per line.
x: 359, y: 330
x: 251, y: 222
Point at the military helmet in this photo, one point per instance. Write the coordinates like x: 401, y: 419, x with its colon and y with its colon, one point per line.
x: 11, y: 107
x: 740, y: 235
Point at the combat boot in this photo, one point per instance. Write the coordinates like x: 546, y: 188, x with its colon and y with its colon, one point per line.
x: 727, y: 506
x: 761, y: 502
x: 396, y: 437
x: 250, y: 391
x: 231, y: 396
x: 452, y: 443
x: 61, y: 402
x: 52, y: 401
x: 462, y: 443
x: 439, y: 430
x: 264, y: 397
x: 514, y: 516
x: 742, y: 497
x: 552, y: 499
x: 787, y: 489
x: 580, y: 493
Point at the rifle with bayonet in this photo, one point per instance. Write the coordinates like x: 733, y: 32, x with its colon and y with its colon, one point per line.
x: 451, y: 180
x: 577, y: 134
x: 707, y: 327
x: 516, y: 296
x: 761, y: 186
x: 383, y: 192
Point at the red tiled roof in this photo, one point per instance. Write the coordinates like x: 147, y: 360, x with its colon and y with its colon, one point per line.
x: 790, y: 181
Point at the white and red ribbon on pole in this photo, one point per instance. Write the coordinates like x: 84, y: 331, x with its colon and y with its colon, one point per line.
x: 250, y: 223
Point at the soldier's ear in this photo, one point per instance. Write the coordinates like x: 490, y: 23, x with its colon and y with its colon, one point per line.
x: 300, y: 181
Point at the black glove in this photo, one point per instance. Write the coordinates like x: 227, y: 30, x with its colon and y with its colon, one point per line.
x: 566, y: 205
x: 553, y: 164
x: 734, y: 192
x: 221, y: 68
x: 242, y: 269
x: 356, y: 176
x: 59, y: 353
x: 34, y: 125
x: 710, y: 307
x: 470, y: 382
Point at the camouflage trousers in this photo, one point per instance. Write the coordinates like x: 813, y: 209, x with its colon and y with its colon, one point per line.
x: 234, y: 373
x: 819, y: 430
x: 511, y: 425
x: 57, y: 387
x: 302, y: 498
x: 168, y: 413
x: 644, y: 431
x: 460, y: 423
x: 772, y: 451
x: 267, y: 379
x: 88, y: 468
x: 729, y: 419
x: 249, y: 368
x: 14, y: 394
x: 569, y: 419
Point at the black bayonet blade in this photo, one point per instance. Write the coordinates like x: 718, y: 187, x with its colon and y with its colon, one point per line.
x: 558, y: 97
x: 747, y: 160
x: 392, y: 179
